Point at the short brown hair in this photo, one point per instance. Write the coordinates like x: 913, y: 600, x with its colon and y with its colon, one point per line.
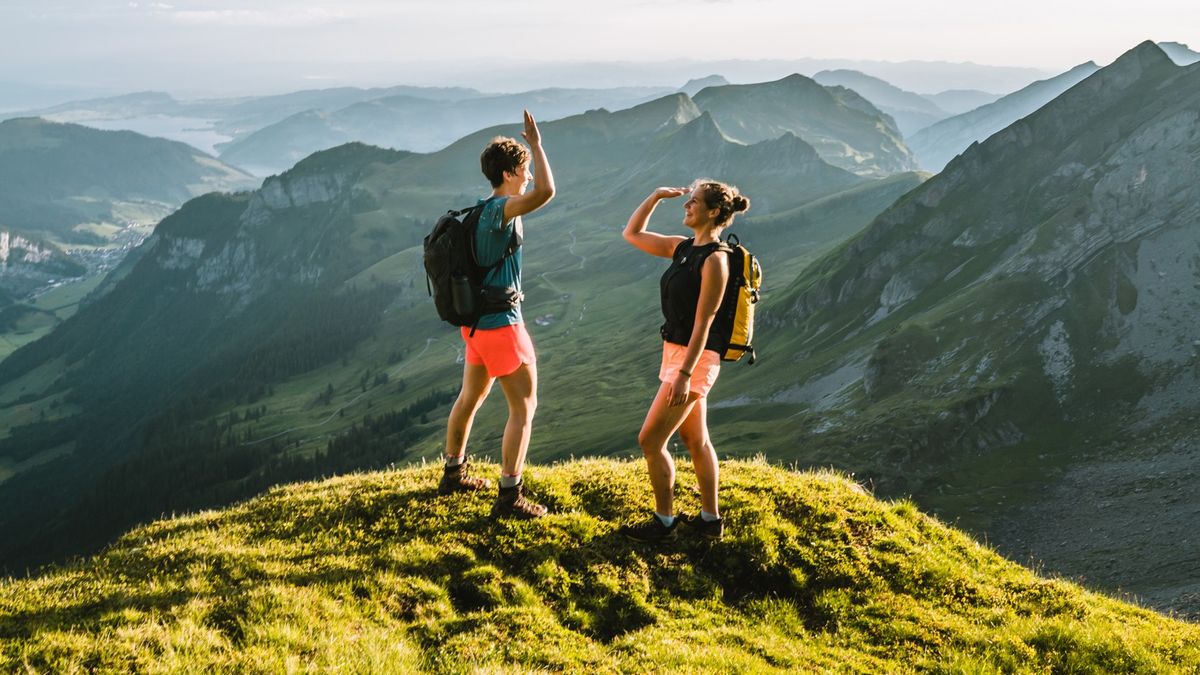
x: 502, y: 154
x: 723, y: 197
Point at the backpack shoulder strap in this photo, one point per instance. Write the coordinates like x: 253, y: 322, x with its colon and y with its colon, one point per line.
x: 702, y: 253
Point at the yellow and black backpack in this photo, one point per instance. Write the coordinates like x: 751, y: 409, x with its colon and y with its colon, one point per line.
x: 732, y: 330
x: 735, y: 317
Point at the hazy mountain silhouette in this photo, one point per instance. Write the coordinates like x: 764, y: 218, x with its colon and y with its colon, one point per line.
x: 912, y: 112
x: 410, y: 123
x: 936, y: 144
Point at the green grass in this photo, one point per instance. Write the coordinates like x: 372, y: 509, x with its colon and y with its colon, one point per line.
x: 376, y: 573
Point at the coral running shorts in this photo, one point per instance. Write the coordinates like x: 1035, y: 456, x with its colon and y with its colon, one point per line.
x: 704, y: 375
x: 500, y: 350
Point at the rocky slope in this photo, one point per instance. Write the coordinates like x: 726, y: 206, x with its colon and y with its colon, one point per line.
x: 1021, y: 317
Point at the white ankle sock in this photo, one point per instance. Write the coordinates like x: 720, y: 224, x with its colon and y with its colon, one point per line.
x: 708, y: 517
x: 667, y: 521
x: 510, y: 481
x: 452, y: 461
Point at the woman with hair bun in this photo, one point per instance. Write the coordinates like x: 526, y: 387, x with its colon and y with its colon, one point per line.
x: 691, y: 292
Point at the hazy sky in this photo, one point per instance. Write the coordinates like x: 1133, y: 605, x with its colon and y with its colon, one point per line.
x: 101, y: 39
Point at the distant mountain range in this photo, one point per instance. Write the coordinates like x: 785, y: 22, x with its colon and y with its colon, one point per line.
x: 211, y: 123
x: 920, y: 76
x: 938, y: 143
x: 410, y: 123
x: 846, y: 132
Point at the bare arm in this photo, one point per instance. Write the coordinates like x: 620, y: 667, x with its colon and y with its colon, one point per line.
x: 713, y: 276
x: 661, y: 245
x: 543, y: 179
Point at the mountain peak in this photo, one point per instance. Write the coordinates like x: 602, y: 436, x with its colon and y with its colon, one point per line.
x: 796, y: 80
x: 696, y: 84
x: 672, y: 110
x: 704, y: 129
x: 1146, y: 54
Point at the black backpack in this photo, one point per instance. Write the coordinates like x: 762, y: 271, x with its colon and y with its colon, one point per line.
x: 453, y: 275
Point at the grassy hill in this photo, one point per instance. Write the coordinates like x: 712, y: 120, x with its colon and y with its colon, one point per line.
x: 376, y: 573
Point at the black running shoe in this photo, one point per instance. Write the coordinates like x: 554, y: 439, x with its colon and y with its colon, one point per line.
x: 649, y: 531
x: 459, y: 479
x: 709, y: 529
x: 512, y: 503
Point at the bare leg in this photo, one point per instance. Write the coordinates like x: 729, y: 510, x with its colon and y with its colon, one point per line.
x: 475, y: 387
x: 661, y: 421
x: 694, y: 434
x: 520, y: 390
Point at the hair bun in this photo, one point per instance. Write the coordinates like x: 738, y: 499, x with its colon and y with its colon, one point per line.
x: 740, y: 203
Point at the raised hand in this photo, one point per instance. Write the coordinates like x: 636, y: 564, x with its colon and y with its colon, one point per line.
x: 669, y: 192
x: 531, y: 133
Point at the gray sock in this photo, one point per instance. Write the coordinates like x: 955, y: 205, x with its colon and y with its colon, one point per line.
x: 454, y: 460
x: 708, y: 517
x: 510, y: 481
x: 667, y: 521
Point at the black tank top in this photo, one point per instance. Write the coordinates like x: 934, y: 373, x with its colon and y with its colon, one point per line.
x: 679, y: 290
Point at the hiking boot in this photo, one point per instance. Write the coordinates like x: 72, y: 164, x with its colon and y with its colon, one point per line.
x: 709, y: 529
x: 457, y: 479
x: 649, y: 531
x: 512, y: 503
